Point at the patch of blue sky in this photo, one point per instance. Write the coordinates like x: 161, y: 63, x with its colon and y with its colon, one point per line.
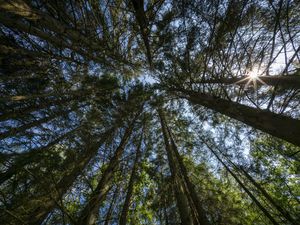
x: 147, y: 77
x: 9, y: 124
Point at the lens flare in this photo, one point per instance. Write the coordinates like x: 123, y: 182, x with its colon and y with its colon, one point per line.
x: 253, y: 74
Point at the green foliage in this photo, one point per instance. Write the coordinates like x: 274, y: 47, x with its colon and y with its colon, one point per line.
x: 83, y: 82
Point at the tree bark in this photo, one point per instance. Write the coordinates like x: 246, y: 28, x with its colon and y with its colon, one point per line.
x: 26, y: 158
x: 288, y: 81
x: 123, y: 217
x: 89, y: 214
x: 254, y: 199
x: 201, y: 214
x: 48, y: 203
x: 277, y: 125
x: 181, y: 198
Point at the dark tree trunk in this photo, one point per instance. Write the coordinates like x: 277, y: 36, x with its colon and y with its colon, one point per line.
x: 38, y: 215
x: 123, y: 217
x: 201, y: 214
x: 178, y: 185
x: 26, y: 158
x: 89, y: 214
x: 277, y: 125
x: 288, y: 81
x: 141, y: 18
x: 254, y: 199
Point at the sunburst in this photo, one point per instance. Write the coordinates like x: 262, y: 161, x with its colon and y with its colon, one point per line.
x: 252, y: 77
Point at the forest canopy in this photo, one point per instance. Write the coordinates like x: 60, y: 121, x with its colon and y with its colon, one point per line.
x: 150, y: 112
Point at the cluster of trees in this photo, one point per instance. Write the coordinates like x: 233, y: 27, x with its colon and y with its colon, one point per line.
x: 149, y: 112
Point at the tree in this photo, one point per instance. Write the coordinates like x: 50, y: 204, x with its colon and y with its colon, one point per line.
x: 123, y: 217
x: 149, y: 112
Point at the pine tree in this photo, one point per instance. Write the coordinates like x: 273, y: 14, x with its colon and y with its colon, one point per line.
x: 149, y: 112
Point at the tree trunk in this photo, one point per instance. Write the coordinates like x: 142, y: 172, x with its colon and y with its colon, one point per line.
x: 141, y: 18
x: 89, y: 214
x: 254, y: 199
x: 123, y: 217
x: 201, y: 214
x: 288, y: 81
x: 26, y: 158
x: 181, y: 199
x: 48, y: 203
x: 277, y: 125
x: 14, y: 131
x: 268, y: 197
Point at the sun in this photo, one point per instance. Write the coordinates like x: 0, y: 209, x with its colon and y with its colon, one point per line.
x: 252, y: 77
x: 253, y: 74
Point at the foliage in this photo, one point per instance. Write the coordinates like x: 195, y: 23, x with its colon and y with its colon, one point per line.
x: 149, y: 112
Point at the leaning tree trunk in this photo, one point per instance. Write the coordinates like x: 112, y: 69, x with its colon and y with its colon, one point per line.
x: 254, y: 199
x: 288, y: 81
x: 89, y: 214
x: 240, y: 169
x: 178, y: 185
x: 283, y: 212
x: 14, y: 131
x: 49, y: 202
x: 201, y: 214
x: 123, y: 217
x: 277, y: 125
x: 23, y: 159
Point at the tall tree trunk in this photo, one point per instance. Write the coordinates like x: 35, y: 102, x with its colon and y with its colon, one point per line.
x: 178, y: 185
x: 254, y: 199
x: 277, y: 125
x: 201, y: 214
x: 14, y: 131
x: 283, y: 212
x: 141, y: 18
x: 89, y: 214
x: 110, y: 209
x: 288, y: 81
x: 26, y: 158
x: 20, y: 113
x: 49, y: 202
x: 125, y: 209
